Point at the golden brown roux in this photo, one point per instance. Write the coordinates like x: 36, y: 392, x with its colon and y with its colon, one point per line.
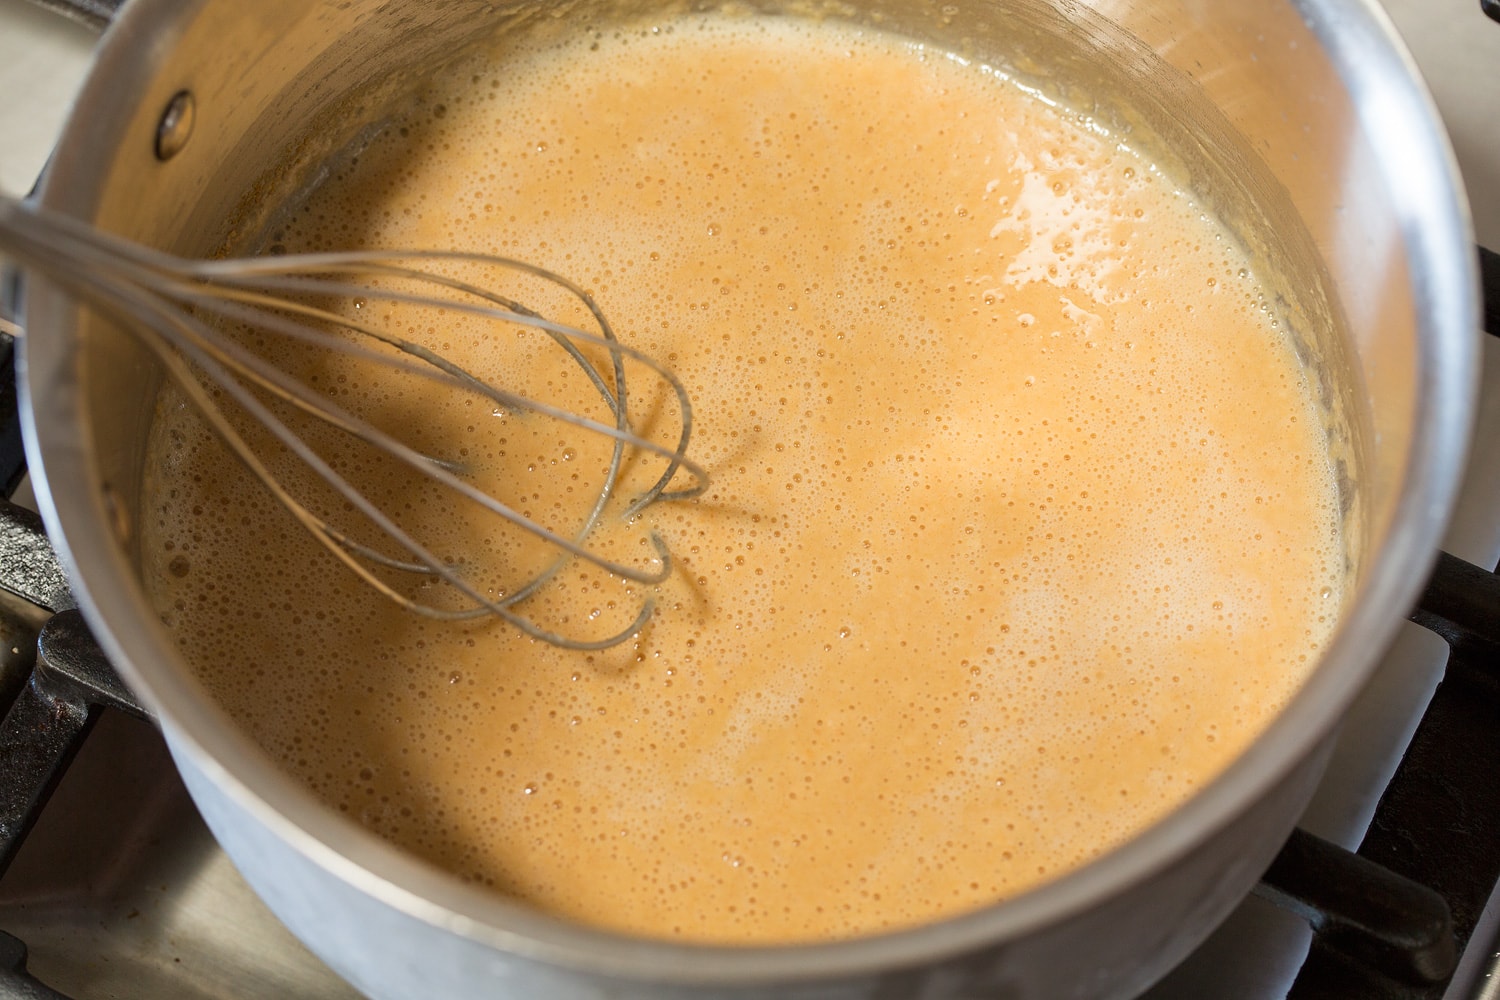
x: 1021, y: 523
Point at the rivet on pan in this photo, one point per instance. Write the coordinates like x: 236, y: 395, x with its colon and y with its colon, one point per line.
x: 176, y: 125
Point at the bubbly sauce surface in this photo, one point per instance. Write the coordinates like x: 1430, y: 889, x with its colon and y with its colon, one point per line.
x: 1021, y: 523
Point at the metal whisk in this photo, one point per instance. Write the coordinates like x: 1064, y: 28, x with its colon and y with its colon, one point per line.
x: 182, y: 310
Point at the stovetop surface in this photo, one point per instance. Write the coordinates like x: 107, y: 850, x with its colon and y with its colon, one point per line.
x: 121, y: 893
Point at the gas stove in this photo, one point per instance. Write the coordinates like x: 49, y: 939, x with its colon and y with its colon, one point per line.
x: 120, y: 892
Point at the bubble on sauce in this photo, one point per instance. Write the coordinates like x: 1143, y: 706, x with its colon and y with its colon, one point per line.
x: 988, y: 502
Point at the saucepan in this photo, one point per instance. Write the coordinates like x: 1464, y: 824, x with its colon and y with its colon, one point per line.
x: 1303, y: 120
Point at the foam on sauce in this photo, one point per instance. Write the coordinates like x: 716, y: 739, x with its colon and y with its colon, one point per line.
x: 1022, y: 524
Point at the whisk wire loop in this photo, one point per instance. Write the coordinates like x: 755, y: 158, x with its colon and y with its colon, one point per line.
x: 677, y: 458
x: 160, y: 299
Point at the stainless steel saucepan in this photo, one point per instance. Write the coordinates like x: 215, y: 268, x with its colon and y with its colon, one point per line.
x: 1302, y: 120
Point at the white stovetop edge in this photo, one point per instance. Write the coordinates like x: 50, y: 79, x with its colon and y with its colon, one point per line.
x: 43, y: 60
